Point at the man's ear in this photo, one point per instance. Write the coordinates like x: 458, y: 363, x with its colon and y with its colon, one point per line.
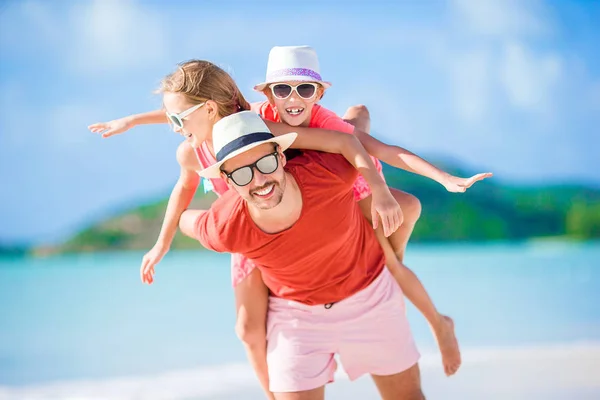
x: 226, y: 179
x: 282, y: 158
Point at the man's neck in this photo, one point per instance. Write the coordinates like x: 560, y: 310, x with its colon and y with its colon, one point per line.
x: 285, y: 214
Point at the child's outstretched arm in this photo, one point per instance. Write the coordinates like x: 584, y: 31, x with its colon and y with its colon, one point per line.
x: 406, y: 160
x: 120, y: 125
x: 180, y: 199
x: 383, y: 203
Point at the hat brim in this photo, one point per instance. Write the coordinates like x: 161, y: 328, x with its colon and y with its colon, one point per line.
x: 214, y: 171
x: 261, y: 86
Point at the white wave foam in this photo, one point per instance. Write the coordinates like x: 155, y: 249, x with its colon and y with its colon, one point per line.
x: 220, y: 381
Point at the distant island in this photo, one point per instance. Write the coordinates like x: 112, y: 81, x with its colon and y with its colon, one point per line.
x: 488, y: 211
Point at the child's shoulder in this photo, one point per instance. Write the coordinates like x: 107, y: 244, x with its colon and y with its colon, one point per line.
x: 322, y: 117
x: 320, y: 112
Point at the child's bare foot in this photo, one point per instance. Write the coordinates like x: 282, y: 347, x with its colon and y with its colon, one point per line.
x: 446, y: 339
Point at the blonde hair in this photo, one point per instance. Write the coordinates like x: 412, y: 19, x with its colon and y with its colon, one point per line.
x: 200, y: 80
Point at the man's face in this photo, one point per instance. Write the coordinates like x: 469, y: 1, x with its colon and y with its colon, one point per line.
x: 266, y: 188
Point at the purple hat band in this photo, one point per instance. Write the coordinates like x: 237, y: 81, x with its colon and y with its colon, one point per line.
x: 294, y: 72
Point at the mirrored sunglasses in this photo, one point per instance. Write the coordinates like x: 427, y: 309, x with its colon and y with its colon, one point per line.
x: 244, y: 175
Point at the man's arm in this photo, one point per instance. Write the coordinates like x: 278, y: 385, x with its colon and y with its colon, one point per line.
x: 401, y: 158
x: 202, y: 225
x: 216, y: 228
x: 189, y: 221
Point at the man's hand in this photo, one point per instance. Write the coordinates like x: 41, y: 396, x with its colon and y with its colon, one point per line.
x: 455, y: 184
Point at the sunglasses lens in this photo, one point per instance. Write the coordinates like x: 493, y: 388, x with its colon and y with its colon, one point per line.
x: 176, y: 121
x: 242, y: 176
x: 282, y: 91
x: 267, y: 164
x: 306, y: 91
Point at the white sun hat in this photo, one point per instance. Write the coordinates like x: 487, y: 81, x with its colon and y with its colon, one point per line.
x: 238, y: 133
x: 292, y: 63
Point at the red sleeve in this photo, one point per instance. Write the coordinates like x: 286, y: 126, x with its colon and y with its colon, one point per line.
x: 214, y: 228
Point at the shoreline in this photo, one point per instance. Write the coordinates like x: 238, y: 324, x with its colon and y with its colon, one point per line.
x: 552, y: 371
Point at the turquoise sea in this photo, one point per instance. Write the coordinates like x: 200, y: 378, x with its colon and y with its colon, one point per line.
x: 84, y: 326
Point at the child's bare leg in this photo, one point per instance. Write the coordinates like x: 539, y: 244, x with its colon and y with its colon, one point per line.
x: 411, y: 206
x: 411, y: 210
x: 251, y: 302
x: 442, y: 326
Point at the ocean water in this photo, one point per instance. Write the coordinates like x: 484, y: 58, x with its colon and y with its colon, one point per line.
x: 84, y: 326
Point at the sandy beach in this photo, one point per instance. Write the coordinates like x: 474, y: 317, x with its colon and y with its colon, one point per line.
x: 551, y: 372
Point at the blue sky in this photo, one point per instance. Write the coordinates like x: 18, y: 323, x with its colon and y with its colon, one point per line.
x: 508, y: 86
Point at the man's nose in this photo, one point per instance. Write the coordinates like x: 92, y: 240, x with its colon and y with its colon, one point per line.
x: 259, y: 178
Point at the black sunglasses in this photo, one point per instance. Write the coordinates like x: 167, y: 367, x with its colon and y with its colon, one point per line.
x: 265, y: 165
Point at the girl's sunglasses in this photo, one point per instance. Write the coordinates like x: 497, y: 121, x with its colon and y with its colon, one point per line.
x: 177, y: 119
x: 265, y: 165
x: 305, y: 90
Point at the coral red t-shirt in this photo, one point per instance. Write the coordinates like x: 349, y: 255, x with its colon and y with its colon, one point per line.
x: 330, y: 253
x: 319, y: 118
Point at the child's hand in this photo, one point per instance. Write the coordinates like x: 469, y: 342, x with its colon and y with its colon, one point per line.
x: 385, y: 206
x: 151, y: 258
x: 113, y: 127
x: 455, y: 184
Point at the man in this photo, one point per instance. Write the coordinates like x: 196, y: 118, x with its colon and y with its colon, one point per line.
x: 330, y: 293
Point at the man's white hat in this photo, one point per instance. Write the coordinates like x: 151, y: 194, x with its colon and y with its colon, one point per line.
x: 238, y: 133
x: 292, y: 63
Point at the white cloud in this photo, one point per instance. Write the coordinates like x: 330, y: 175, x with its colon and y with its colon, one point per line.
x: 504, y: 61
x: 115, y: 35
x: 500, y: 18
x: 529, y: 79
x: 91, y: 37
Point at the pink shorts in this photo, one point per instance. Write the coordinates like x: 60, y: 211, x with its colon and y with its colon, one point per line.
x: 241, y: 266
x: 368, y: 331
